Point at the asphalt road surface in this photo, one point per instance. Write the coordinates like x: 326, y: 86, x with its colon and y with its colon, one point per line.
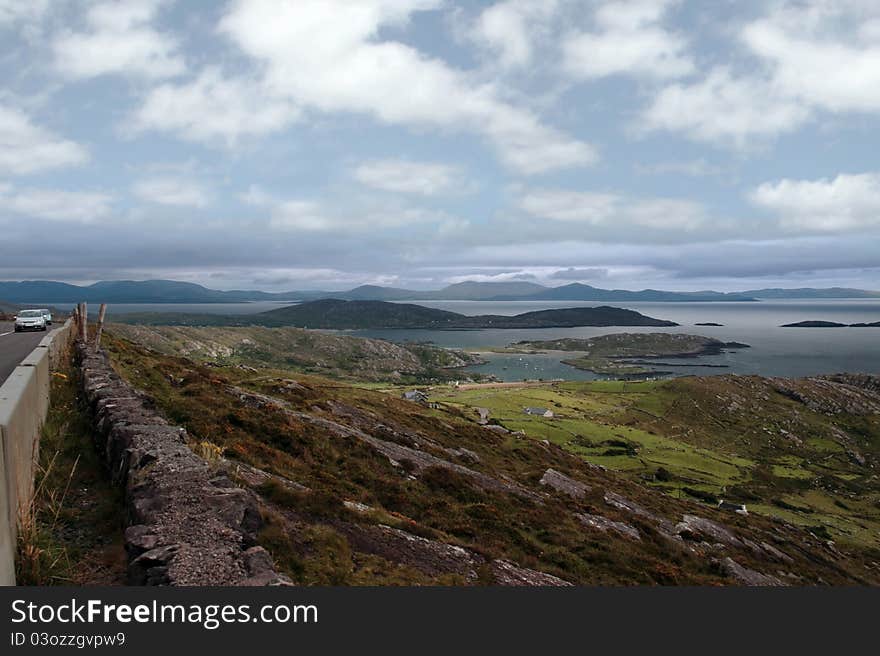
x: 15, y: 347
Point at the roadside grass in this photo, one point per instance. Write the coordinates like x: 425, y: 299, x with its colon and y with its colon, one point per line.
x: 72, y: 532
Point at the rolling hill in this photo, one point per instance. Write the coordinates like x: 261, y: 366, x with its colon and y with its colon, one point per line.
x: 580, y: 292
x: 334, y: 314
x: 122, y: 291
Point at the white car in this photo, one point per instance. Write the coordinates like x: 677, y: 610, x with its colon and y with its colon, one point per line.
x: 47, y: 315
x: 30, y: 320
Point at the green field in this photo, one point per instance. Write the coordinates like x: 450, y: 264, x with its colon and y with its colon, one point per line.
x: 702, y: 437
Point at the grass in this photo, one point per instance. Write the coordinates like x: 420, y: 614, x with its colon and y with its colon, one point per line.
x: 71, y: 534
x: 304, y: 534
x: 715, y: 437
x: 681, y: 438
x: 585, y: 424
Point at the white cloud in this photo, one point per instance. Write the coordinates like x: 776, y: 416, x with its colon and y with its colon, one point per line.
x: 665, y: 214
x: 569, y: 206
x: 509, y: 29
x: 28, y: 148
x: 808, y: 57
x: 693, y: 167
x: 256, y: 196
x: 629, y: 40
x: 409, y: 177
x: 724, y: 109
x: 301, y: 215
x: 172, y: 191
x: 328, y: 55
x: 120, y: 38
x: 365, y: 216
x: 213, y: 107
x: 56, y: 205
x: 612, y: 210
x: 312, y: 216
x: 847, y: 202
x: 824, y: 53
x: 12, y: 11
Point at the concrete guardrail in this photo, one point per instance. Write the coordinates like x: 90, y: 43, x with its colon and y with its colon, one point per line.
x: 24, y: 403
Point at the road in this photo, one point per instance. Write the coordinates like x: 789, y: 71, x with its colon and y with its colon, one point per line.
x: 15, y: 347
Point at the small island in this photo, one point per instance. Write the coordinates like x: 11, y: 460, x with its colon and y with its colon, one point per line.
x: 710, y: 323
x: 628, y: 354
x: 830, y: 324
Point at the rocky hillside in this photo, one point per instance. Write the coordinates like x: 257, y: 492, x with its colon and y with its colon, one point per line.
x: 804, y: 451
x: 362, y: 487
x: 302, y: 350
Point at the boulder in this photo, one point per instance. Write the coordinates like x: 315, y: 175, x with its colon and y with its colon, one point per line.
x: 698, y: 529
x: 508, y: 574
x: 747, y: 576
x: 604, y: 524
x: 562, y: 483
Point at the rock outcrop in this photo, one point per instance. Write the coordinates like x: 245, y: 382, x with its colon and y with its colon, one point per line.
x: 604, y: 524
x: 747, y: 576
x: 699, y: 529
x: 562, y: 483
x: 506, y: 573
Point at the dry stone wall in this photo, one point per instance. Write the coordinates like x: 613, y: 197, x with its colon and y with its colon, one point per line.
x: 188, y: 524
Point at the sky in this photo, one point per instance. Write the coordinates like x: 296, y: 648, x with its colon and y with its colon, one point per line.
x: 323, y: 144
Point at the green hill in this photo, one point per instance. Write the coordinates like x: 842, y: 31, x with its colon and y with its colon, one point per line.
x: 343, y: 315
x: 335, y: 314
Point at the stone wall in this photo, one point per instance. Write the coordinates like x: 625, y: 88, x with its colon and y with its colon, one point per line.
x: 188, y: 524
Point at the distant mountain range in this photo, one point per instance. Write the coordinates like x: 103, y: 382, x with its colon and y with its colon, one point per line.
x: 335, y: 314
x: 170, y: 291
x: 809, y: 292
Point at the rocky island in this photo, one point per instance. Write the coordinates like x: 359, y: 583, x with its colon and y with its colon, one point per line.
x: 830, y: 324
x: 627, y: 353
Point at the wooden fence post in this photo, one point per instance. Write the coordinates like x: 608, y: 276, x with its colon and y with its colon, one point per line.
x: 84, y: 322
x: 100, y: 327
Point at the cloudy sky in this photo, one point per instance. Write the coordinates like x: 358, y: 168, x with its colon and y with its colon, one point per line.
x: 287, y: 144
